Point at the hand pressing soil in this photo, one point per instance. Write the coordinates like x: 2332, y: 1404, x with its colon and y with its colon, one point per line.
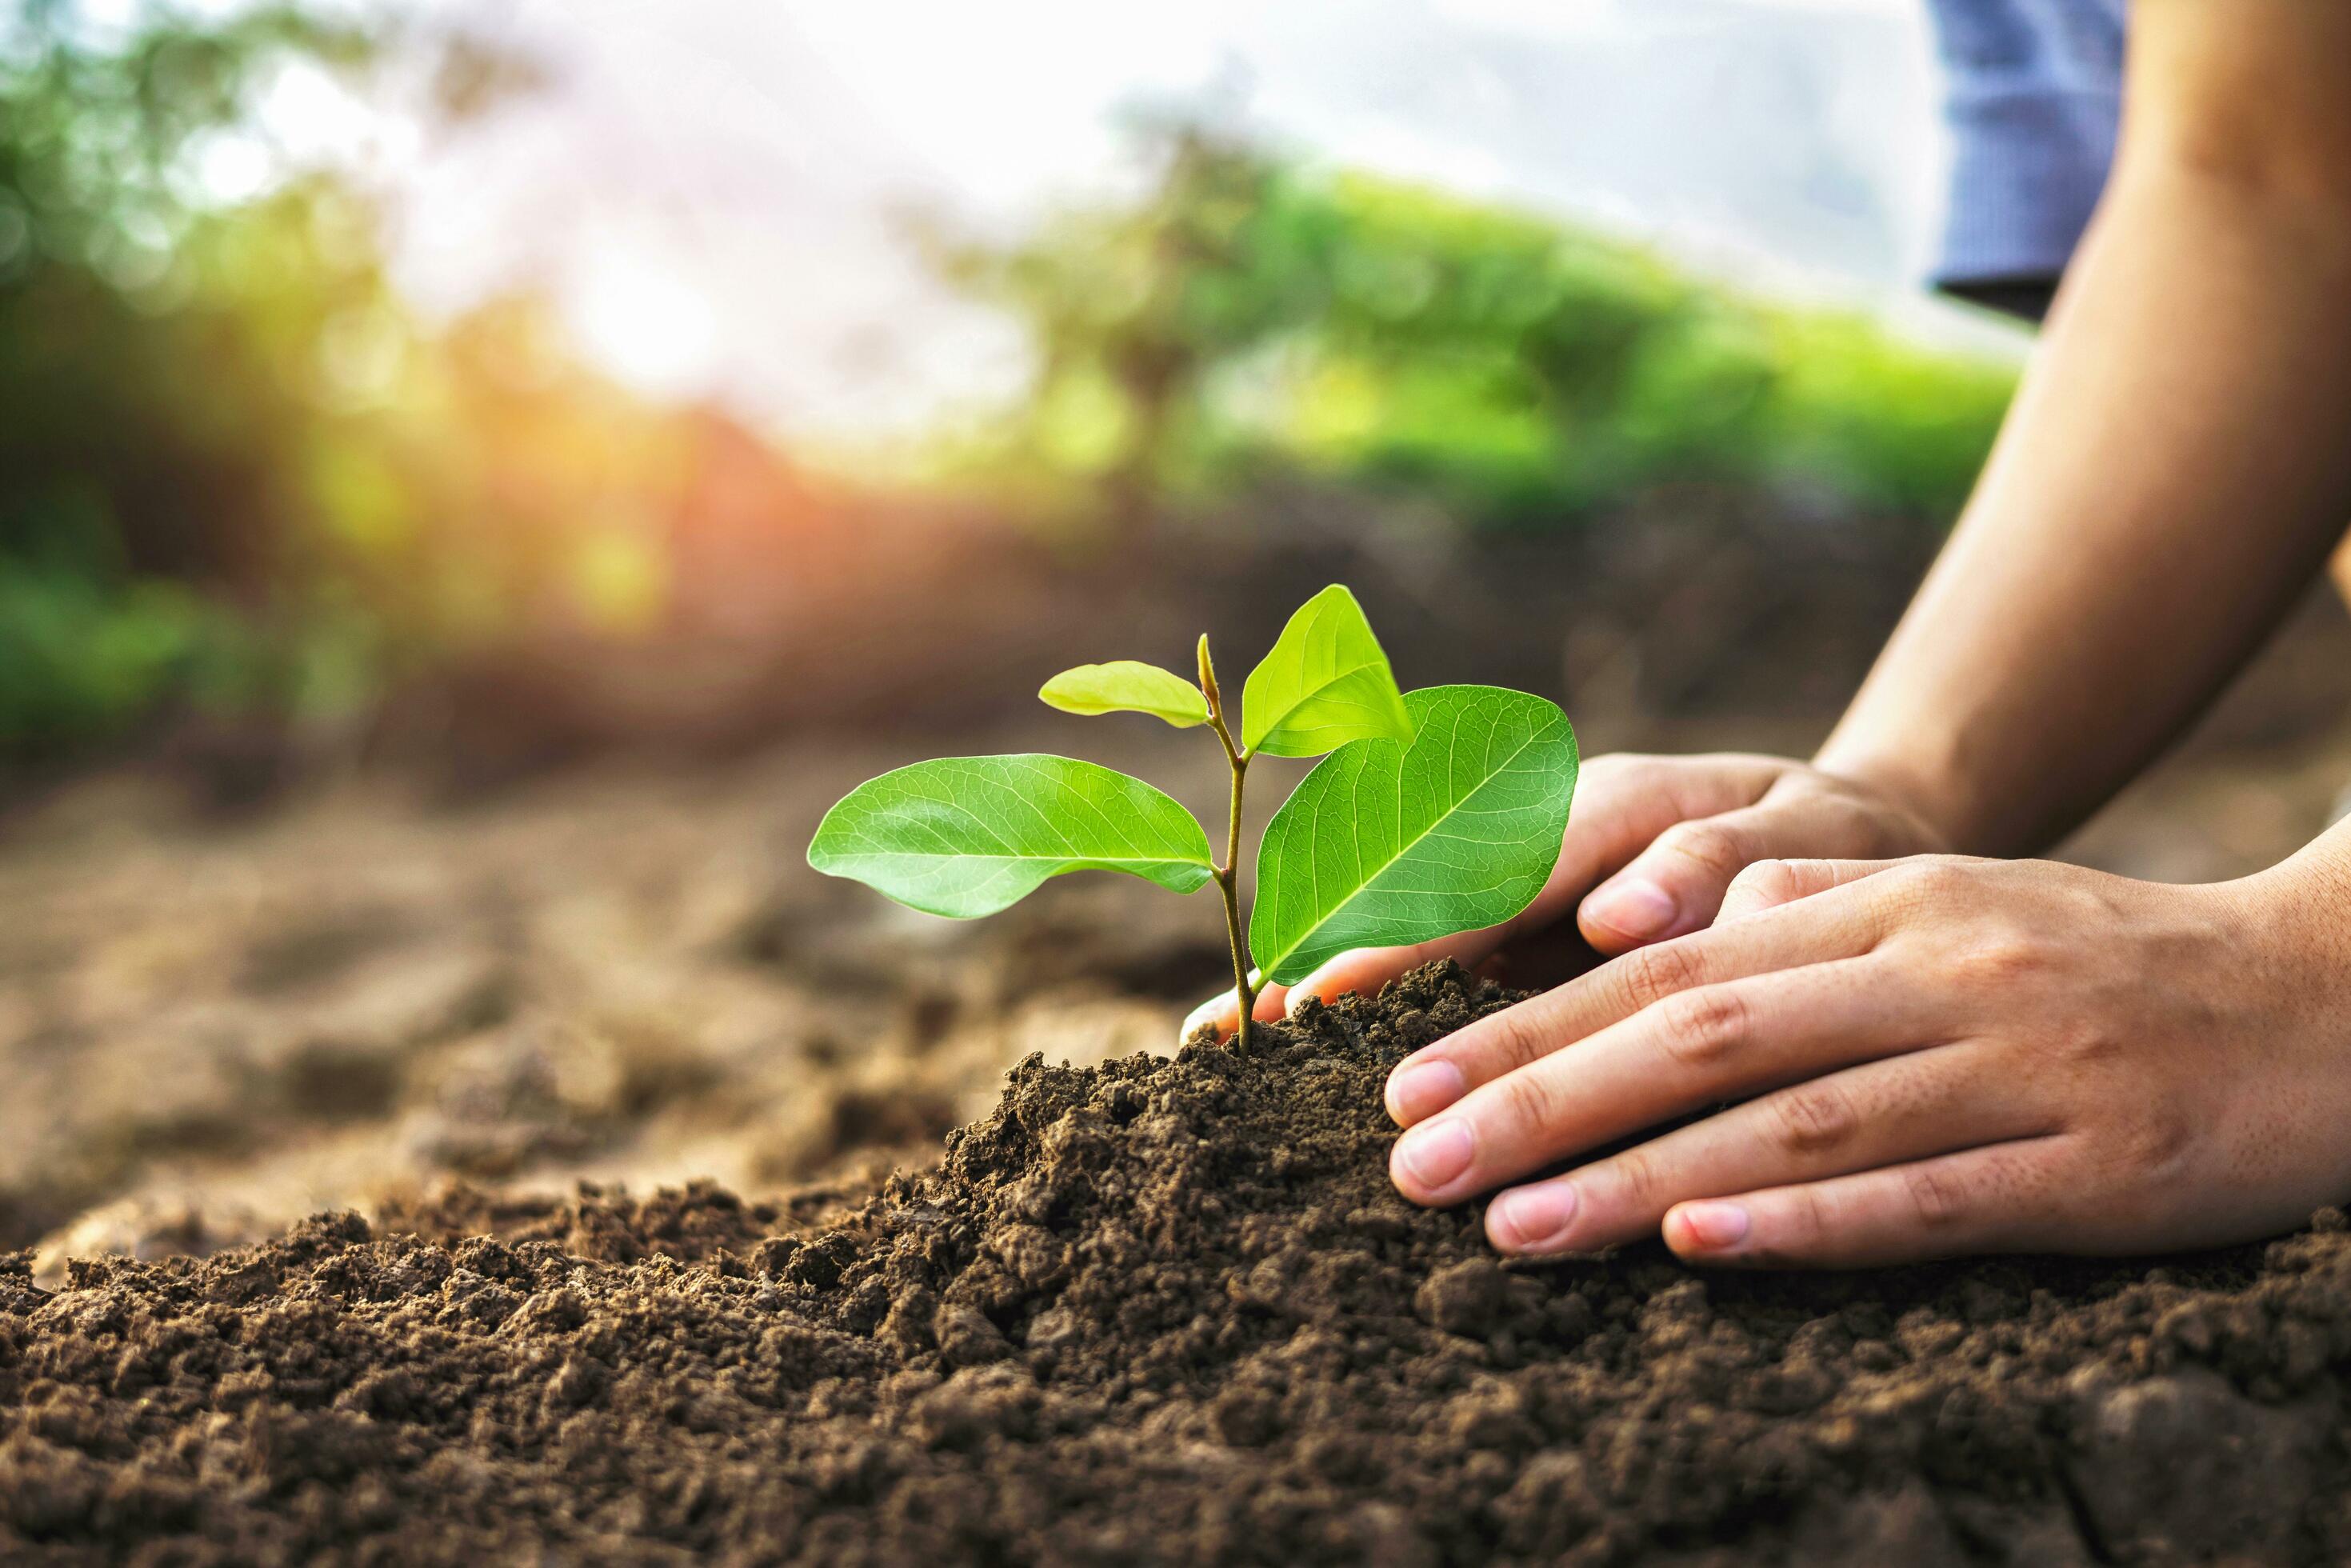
x: 1159, y: 1312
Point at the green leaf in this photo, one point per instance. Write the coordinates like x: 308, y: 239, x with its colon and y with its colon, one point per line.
x: 1127, y: 686
x: 1326, y: 683
x: 966, y: 836
x: 1383, y: 844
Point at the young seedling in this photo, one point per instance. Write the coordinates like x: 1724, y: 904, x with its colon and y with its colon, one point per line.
x: 1434, y: 811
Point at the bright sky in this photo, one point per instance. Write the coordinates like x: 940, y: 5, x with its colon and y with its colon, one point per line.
x: 707, y: 185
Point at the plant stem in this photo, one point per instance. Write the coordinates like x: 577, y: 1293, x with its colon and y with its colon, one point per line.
x: 1228, y: 880
x: 1228, y: 875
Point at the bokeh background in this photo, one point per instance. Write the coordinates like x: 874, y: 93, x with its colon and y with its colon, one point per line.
x: 476, y: 480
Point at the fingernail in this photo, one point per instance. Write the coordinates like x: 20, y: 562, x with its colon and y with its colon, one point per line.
x: 1434, y: 1152
x: 1300, y: 995
x: 1531, y: 1218
x: 1714, y: 1226
x: 1419, y: 1090
x: 1635, y: 908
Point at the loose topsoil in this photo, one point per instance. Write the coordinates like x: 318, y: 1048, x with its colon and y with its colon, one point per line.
x: 1156, y: 1311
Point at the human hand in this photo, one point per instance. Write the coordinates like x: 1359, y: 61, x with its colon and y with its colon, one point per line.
x: 1931, y: 1056
x: 1667, y: 834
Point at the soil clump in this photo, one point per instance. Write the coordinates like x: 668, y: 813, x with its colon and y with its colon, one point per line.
x: 1156, y: 1311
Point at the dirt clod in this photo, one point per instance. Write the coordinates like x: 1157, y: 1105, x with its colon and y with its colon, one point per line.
x: 1157, y: 1311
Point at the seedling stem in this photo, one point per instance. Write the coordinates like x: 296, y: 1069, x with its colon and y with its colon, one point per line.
x: 1228, y: 875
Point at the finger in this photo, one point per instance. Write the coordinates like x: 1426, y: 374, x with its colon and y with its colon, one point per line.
x: 1222, y: 1012
x: 1841, y: 923
x: 1625, y: 803
x: 1366, y: 969
x: 1715, y: 1043
x: 1908, y: 1107
x: 1676, y: 884
x: 1767, y: 884
x: 1995, y: 1198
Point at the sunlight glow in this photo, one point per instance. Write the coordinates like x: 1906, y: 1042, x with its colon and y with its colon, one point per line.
x: 645, y: 325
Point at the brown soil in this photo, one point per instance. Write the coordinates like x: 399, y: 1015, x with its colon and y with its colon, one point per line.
x: 1151, y: 1312
x: 209, y: 1030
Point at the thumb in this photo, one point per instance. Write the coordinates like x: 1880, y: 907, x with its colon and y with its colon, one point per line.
x: 1767, y: 884
x: 1675, y: 885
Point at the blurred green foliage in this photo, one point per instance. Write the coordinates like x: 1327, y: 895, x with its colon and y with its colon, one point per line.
x: 237, y: 473
x: 1248, y: 311
x: 156, y: 362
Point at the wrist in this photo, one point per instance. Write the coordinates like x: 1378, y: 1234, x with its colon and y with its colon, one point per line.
x: 2307, y: 895
x: 2290, y: 930
x: 1926, y: 796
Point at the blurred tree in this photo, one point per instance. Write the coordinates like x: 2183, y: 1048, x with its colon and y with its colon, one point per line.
x: 235, y: 470
x: 145, y: 334
x: 154, y: 379
x: 1130, y: 307
x: 1247, y: 309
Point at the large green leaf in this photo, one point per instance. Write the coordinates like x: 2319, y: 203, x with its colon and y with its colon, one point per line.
x: 966, y: 836
x: 1127, y: 686
x: 1383, y: 844
x: 1326, y: 683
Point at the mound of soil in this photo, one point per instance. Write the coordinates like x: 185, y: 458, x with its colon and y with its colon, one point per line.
x: 1157, y: 1311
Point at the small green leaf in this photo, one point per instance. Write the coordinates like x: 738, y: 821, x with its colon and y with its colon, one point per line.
x: 1326, y: 683
x: 1127, y: 686
x: 966, y: 836
x: 1383, y: 844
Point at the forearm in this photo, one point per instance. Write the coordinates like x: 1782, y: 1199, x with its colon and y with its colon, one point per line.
x: 2176, y: 466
